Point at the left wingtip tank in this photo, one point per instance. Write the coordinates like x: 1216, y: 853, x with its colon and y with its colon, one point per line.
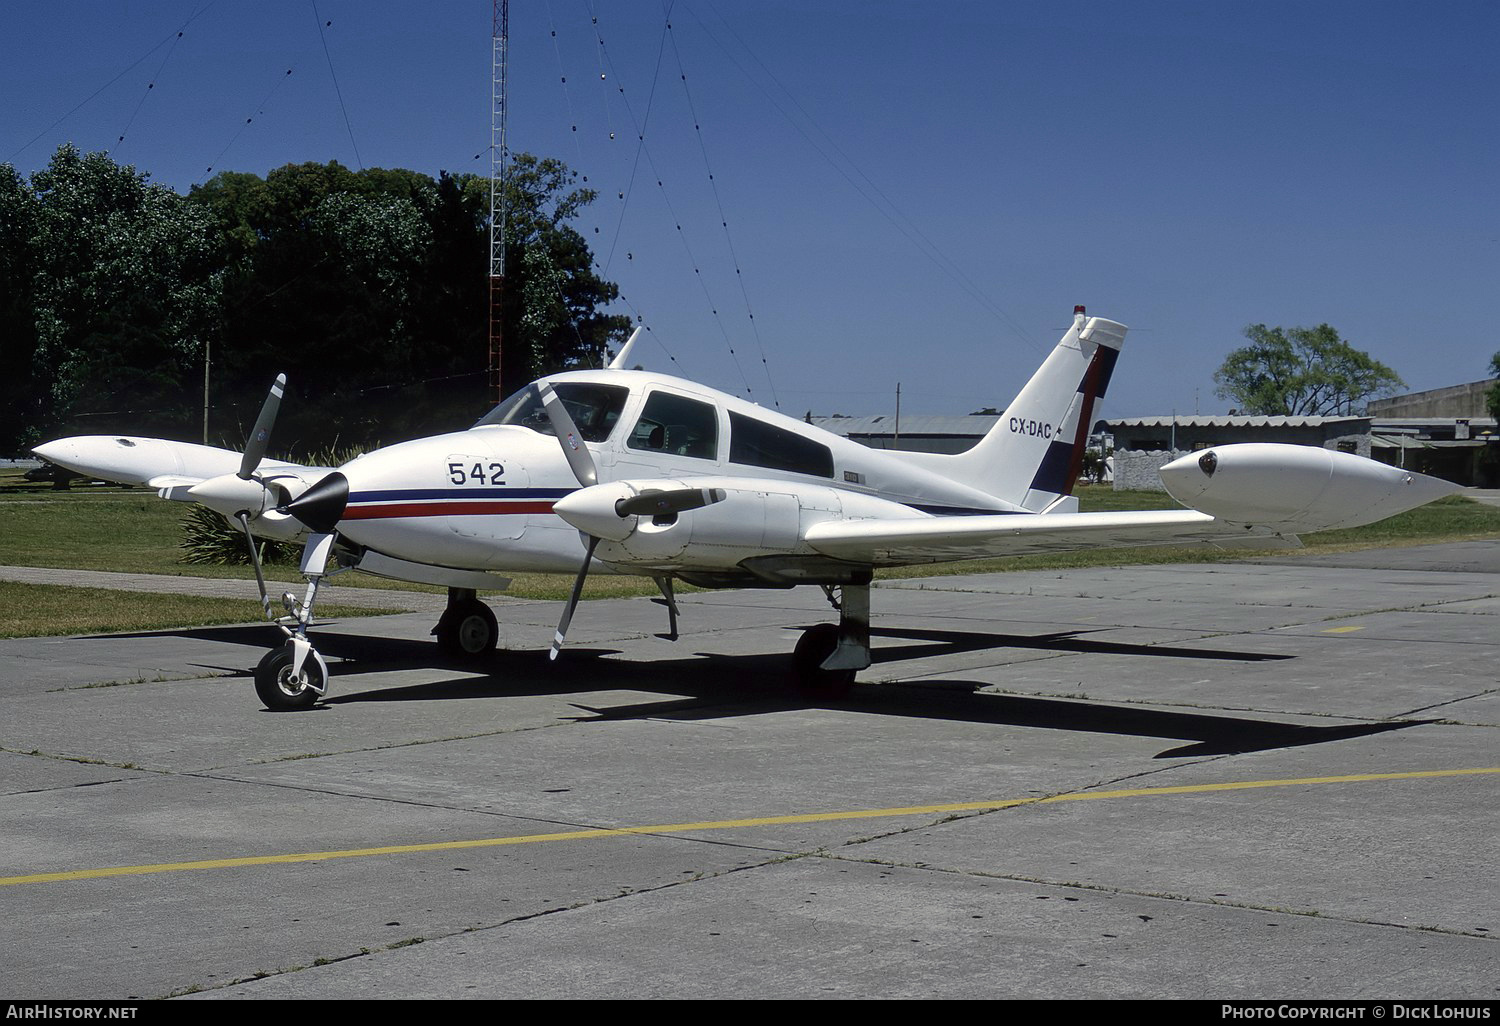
x: 1296, y: 488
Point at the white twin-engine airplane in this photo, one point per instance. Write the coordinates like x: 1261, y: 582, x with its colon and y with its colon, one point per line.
x: 634, y: 472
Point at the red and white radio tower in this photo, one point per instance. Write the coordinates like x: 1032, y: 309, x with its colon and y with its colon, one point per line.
x: 499, y: 161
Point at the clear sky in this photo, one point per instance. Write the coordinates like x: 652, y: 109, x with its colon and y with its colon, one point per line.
x: 914, y: 192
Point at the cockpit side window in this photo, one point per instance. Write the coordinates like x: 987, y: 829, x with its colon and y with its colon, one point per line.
x: 594, y: 408
x: 755, y: 443
x: 677, y: 425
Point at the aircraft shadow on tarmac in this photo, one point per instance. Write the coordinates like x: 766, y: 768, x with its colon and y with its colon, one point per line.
x: 713, y: 686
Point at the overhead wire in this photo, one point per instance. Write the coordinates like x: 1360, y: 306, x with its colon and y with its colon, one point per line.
x: 260, y: 109
x: 334, y: 75
x: 719, y: 203
x: 150, y: 86
x: 871, y: 192
x: 645, y: 150
x: 171, y: 37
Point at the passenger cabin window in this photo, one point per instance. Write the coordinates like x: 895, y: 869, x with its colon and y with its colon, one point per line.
x: 673, y: 424
x: 594, y: 408
x: 755, y: 443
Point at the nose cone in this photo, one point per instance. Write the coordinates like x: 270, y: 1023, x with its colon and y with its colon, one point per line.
x: 322, y: 506
x: 1188, y: 477
x: 592, y: 511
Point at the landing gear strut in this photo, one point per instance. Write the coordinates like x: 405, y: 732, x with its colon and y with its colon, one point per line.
x: 827, y: 656
x: 294, y: 676
x: 467, y: 627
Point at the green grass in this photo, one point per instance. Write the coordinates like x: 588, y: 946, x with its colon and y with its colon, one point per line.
x: 48, y: 610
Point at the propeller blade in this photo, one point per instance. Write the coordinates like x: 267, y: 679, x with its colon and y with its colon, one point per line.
x: 322, y: 506
x: 567, y: 617
x: 260, y: 437
x: 663, y: 503
x: 579, y: 457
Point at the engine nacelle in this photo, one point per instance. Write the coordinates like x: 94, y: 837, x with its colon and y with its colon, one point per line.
x: 753, y: 518
x: 1296, y: 488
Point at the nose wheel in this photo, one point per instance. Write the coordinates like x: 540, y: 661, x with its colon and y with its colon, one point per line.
x: 285, y: 683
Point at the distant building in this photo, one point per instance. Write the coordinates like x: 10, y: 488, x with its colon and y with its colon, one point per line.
x: 1465, y: 402
x: 911, y: 433
x: 1142, y: 445
x: 1435, y: 432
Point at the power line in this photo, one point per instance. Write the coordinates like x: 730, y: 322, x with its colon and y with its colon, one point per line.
x: 337, y: 91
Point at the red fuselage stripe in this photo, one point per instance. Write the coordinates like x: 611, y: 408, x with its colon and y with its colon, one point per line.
x: 442, y: 509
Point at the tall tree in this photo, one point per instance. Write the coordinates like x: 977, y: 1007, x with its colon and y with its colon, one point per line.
x: 23, y: 402
x: 122, y: 284
x: 1301, y: 372
x: 369, y: 289
x: 552, y: 310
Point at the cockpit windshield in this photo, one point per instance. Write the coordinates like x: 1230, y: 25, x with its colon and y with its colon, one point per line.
x: 594, y: 408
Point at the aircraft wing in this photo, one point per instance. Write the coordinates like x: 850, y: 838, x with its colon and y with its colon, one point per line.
x: 940, y: 539
x: 168, y: 466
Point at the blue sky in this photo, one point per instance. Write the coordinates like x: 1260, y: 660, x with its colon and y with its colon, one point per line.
x: 914, y: 192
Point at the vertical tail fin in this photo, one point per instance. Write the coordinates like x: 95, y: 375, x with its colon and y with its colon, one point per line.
x: 1032, y: 456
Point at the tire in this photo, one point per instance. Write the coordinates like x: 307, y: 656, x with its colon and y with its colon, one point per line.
x: 468, y: 630
x: 279, y: 690
x: 815, y: 645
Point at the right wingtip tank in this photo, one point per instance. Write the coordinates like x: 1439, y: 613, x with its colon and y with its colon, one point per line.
x: 1296, y: 488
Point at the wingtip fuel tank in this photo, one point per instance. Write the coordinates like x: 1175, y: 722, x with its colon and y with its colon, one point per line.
x: 1296, y: 488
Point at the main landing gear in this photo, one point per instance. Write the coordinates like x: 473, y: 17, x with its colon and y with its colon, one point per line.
x: 828, y: 656
x: 467, y: 628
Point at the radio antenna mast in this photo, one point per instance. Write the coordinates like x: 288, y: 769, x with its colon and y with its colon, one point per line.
x: 499, y: 168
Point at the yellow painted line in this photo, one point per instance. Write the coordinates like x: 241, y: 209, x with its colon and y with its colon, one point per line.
x: 724, y: 824
x: 1341, y: 630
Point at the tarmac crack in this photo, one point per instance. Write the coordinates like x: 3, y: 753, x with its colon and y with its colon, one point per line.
x: 574, y: 906
x: 1158, y: 896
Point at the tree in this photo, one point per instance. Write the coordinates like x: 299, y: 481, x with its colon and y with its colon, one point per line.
x: 22, y: 396
x: 369, y: 289
x: 1492, y: 397
x: 551, y: 311
x: 119, y: 288
x: 1301, y: 372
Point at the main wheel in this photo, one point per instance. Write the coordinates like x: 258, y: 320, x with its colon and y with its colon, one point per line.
x: 815, y: 645
x: 467, y: 629
x: 280, y: 689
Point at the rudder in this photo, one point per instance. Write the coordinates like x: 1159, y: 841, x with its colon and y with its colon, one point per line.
x: 1032, y: 457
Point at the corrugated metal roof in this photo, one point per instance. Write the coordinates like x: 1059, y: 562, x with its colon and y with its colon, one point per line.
x: 973, y: 425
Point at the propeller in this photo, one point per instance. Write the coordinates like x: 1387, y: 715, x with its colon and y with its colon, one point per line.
x: 244, y: 495
x: 260, y: 436
x: 601, y: 511
x: 568, y: 435
x: 667, y: 502
x: 581, y: 461
x: 596, y: 527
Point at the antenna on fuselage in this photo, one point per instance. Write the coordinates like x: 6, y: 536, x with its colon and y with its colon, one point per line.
x: 619, y: 362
